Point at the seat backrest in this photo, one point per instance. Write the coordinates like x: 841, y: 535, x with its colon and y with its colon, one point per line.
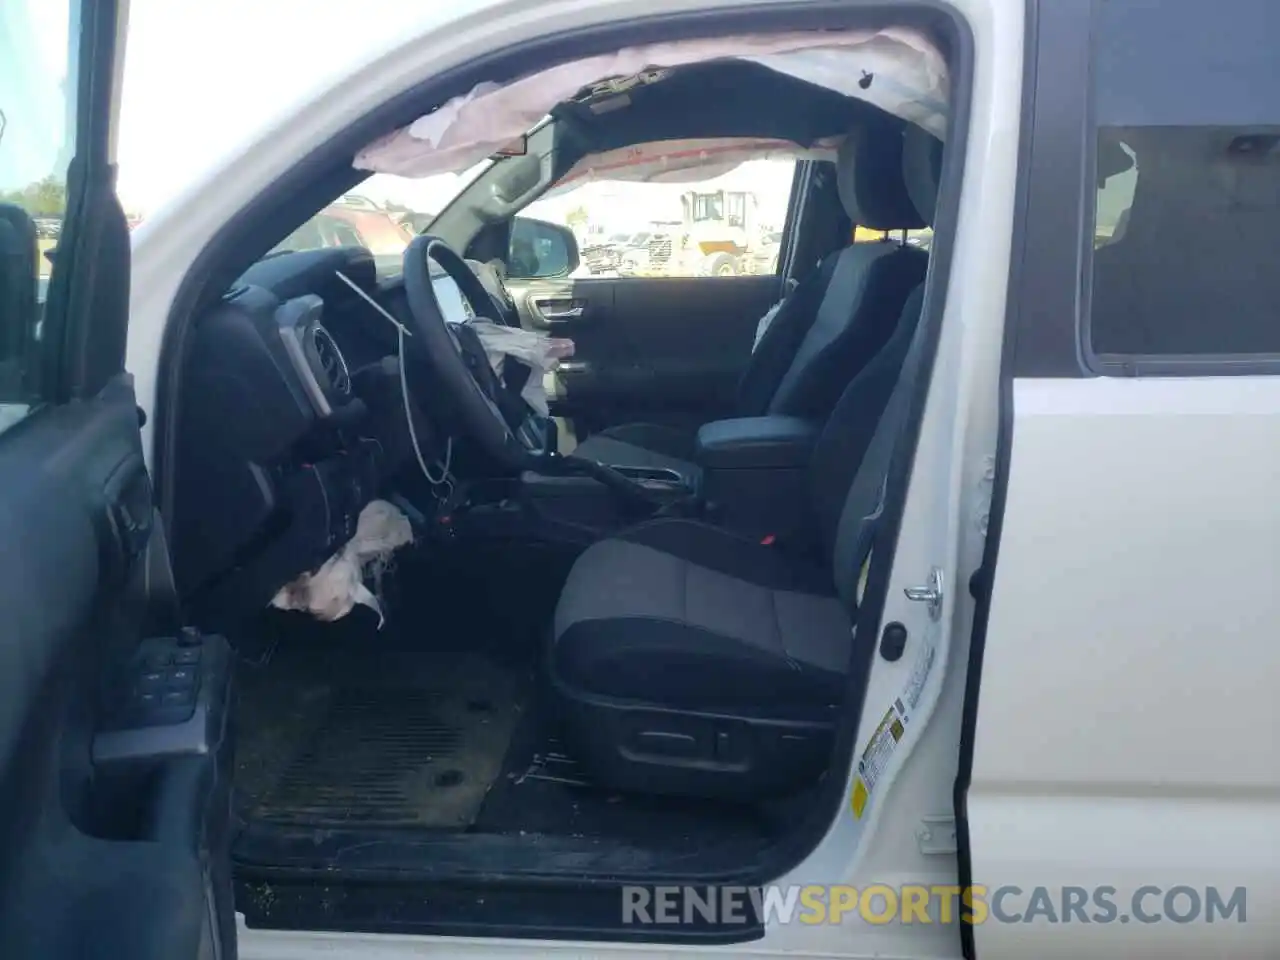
x: 841, y: 457
x: 838, y: 317
x: 851, y: 460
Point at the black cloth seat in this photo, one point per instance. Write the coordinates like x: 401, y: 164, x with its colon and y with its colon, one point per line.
x: 689, y: 660
x: 706, y: 618
x: 832, y: 323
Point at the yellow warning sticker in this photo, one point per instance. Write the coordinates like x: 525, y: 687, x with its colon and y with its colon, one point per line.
x: 860, y: 797
x: 875, y: 758
x: 892, y: 728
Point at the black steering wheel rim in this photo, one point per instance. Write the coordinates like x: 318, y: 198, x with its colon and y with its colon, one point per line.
x: 439, y: 349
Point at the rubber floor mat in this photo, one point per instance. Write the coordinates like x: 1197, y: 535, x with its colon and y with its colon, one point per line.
x: 374, y: 748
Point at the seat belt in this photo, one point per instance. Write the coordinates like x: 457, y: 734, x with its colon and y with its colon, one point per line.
x: 864, y: 504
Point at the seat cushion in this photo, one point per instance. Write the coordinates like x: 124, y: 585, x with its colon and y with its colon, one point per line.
x: 679, y: 614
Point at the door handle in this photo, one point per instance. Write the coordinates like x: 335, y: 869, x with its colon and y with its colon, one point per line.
x: 560, y: 309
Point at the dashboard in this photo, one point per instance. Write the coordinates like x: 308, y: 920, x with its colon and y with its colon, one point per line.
x: 290, y: 418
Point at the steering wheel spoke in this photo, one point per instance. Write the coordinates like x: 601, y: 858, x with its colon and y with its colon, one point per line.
x: 454, y: 353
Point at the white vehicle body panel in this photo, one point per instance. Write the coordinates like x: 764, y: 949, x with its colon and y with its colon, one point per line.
x: 1127, y: 719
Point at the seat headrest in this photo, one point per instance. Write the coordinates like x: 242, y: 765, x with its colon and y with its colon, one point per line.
x: 922, y: 169
x: 869, y: 177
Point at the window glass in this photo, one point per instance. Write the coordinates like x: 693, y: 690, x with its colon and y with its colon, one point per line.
x: 382, y: 215
x: 726, y: 224
x: 37, y: 117
x: 1187, y: 192
x: 538, y: 249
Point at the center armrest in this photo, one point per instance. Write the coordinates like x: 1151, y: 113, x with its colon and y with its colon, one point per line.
x: 756, y: 443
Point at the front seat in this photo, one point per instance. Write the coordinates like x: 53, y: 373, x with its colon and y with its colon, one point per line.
x: 688, y: 660
x: 830, y: 325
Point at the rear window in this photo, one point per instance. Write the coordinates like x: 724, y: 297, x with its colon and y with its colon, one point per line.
x: 1186, y: 245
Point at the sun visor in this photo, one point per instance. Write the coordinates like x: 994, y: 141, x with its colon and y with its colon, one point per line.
x: 896, y: 69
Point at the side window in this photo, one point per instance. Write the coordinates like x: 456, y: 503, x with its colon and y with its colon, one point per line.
x: 723, y: 224
x: 538, y: 249
x: 1187, y: 186
x: 37, y: 117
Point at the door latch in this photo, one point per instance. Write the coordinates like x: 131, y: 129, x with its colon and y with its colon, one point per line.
x: 931, y: 593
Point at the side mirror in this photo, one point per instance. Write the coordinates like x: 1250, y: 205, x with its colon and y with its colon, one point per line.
x: 539, y: 250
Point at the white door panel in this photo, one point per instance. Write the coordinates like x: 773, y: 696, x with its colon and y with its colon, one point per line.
x: 1127, y: 723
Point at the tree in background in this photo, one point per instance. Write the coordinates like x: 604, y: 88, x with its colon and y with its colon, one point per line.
x: 44, y: 198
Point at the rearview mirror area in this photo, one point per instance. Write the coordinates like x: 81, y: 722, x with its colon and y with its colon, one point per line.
x: 540, y: 250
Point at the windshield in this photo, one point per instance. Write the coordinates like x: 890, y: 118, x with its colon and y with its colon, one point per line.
x: 383, y: 214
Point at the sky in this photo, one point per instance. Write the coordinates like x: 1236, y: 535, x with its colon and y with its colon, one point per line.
x: 33, y: 61
x: 203, y: 78
x: 200, y: 78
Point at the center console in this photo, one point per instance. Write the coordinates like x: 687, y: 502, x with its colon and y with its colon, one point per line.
x: 755, y: 473
x: 751, y: 476
x: 581, y: 500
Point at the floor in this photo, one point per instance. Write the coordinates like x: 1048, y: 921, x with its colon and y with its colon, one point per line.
x: 438, y: 723
x: 334, y: 738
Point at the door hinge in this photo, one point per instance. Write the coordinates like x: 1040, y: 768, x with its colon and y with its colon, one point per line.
x: 937, y: 834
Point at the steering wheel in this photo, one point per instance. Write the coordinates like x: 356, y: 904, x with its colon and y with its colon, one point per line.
x: 455, y: 356
x: 457, y: 361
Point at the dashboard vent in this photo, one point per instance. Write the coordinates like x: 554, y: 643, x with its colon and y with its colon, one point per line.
x: 333, y: 368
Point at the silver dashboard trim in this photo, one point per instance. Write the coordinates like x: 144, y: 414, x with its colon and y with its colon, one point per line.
x: 298, y: 357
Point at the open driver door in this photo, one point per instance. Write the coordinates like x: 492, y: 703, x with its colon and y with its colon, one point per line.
x: 115, y: 748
